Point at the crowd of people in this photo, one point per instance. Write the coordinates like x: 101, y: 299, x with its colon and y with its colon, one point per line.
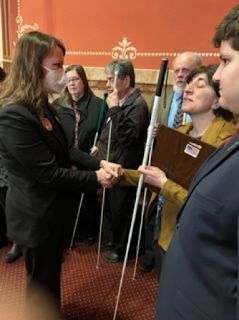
x: 53, y: 164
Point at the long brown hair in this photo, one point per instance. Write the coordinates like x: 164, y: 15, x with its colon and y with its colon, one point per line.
x: 23, y: 85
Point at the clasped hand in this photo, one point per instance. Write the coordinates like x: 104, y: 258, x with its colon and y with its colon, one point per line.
x: 109, y: 174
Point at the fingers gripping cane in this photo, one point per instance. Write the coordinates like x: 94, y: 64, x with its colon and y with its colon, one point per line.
x: 141, y: 177
x: 103, y: 195
x: 98, y: 128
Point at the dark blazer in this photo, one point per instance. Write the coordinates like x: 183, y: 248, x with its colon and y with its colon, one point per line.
x: 3, y: 175
x: 199, y: 280
x: 89, y: 107
x: 40, y: 184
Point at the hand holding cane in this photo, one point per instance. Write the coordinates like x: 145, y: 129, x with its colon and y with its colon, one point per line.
x: 145, y: 159
x: 103, y: 195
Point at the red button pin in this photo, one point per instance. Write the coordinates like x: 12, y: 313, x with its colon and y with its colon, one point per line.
x: 47, y: 124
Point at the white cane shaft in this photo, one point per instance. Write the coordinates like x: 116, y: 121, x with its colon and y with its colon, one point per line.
x: 103, y: 197
x: 142, y: 212
x: 77, y: 218
x: 95, y: 139
x: 129, y: 240
x: 140, y: 232
x: 101, y: 225
x: 109, y: 141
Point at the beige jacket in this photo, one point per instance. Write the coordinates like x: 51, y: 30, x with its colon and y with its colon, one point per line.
x: 174, y: 194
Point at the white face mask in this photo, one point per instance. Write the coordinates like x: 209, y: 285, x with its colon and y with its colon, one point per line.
x: 55, y: 80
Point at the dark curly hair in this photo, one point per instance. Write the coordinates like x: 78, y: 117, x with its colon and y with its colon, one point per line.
x: 228, y: 30
x: 209, y: 71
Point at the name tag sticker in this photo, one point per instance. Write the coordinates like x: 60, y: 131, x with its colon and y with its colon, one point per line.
x: 191, y: 150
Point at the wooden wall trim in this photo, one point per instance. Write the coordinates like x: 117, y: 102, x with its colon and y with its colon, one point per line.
x: 6, y: 29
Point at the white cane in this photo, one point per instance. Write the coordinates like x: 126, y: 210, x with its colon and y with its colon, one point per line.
x: 76, y: 222
x: 141, y: 177
x: 103, y: 195
x: 103, y: 198
x: 142, y: 214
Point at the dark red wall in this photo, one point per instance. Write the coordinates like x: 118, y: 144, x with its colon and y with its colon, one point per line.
x: 90, y: 29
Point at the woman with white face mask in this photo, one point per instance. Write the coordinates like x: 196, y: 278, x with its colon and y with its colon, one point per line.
x: 36, y: 154
x: 55, y: 80
x: 79, y: 109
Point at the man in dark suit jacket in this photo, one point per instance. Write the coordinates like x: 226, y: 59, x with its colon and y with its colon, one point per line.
x: 199, y: 279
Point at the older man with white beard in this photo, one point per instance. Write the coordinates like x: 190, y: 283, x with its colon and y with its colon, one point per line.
x: 171, y: 98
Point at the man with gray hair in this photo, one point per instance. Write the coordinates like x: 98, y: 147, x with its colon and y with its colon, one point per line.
x: 129, y: 114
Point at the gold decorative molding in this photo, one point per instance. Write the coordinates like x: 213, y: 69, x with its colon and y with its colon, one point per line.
x: 125, y: 50
x: 22, y: 28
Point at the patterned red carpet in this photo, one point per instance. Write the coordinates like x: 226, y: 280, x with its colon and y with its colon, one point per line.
x: 88, y: 293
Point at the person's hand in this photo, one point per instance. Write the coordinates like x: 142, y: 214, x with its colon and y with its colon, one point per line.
x: 104, y: 178
x: 112, y: 168
x: 94, y: 151
x: 155, y: 130
x: 113, y: 99
x: 153, y: 176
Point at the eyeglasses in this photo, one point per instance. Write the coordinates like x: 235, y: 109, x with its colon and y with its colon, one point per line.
x: 75, y: 79
x: 183, y: 70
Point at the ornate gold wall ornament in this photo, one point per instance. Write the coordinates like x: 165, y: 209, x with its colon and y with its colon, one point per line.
x: 124, y: 50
